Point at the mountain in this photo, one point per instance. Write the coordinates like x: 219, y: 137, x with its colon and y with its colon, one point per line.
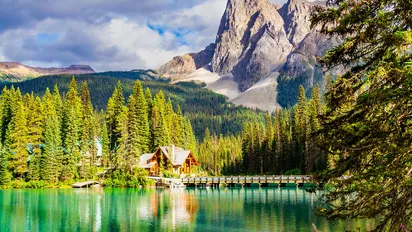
x: 261, y: 55
x: 15, y: 72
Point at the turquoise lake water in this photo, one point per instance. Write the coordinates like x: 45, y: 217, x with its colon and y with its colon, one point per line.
x: 225, y: 209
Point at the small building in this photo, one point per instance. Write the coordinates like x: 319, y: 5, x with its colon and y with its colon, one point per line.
x: 182, y: 161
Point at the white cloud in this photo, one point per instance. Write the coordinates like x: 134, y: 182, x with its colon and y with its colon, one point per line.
x: 107, y: 35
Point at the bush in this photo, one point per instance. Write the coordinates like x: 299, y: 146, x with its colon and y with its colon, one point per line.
x: 295, y: 171
x: 169, y: 174
x: 119, y: 178
x: 17, y: 184
x: 36, y: 184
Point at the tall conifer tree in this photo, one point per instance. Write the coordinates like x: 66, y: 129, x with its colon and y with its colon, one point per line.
x: 35, y: 125
x: 117, y: 121
x: 17, y: 137
x: 71, y: 128
x: 5, y: 175
x: 160, y: 130
x: 138, y: 121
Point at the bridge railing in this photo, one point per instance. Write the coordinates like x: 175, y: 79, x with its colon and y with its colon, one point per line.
x: 248, y: 179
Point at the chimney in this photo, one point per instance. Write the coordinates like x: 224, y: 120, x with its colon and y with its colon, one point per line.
x: 172, y: 153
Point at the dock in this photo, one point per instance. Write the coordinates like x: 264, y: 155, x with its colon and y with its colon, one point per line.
x: 86, y: 184
x: 168, y: 182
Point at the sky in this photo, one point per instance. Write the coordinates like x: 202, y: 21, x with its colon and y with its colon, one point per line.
x: 106, y: 34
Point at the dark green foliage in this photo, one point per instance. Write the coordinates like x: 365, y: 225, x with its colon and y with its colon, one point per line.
x: 5, y: 175
x: 134, y: 179
x: 138, y: 121
x: 367, y: 125
x: 288, y: 87
x: 138, y: 74
x: 293, y: 172
x: 116, y: 118
x: 161, y: 133
x: 71, y: 131
x: 52, y: 152
x: 203, y: 107
x: 281, y: 142
x: 220, y: 155
x: 105, y: 141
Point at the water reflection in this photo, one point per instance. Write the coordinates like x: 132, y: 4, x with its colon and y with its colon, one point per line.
x: 264, y: 209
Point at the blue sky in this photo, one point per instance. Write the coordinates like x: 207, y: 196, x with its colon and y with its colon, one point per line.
x: 105, y: 34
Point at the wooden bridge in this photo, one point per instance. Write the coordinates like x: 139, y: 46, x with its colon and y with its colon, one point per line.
x: 252, y: 181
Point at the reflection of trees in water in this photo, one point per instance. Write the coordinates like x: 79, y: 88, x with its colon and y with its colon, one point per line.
x: 192, y: 206
x: 174, y: 208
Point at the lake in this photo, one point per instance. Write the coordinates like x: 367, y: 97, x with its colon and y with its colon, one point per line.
x: 224, y: 209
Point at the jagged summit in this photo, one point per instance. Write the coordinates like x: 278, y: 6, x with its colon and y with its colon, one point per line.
x: 249, y: 30
x: 261, y: 48
x: 188, y: 63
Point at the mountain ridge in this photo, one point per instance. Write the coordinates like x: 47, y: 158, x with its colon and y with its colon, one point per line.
x: 15, y: 71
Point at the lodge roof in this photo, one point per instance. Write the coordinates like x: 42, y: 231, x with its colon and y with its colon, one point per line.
x: 145, y: 159
x: 179, y: 157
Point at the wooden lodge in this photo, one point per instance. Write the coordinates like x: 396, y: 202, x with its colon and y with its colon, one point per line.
x: 182, y: 161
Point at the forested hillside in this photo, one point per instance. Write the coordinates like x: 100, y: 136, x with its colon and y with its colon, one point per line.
x: 203, y: 107
x: 281, y: 144
x: 50, y: 139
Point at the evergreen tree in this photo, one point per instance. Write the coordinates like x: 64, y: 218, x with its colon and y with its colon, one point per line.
x: 5, y: 175
x: 115, y: 114
x: 286, y: 154
x: 117, y: 121
x: 105, y: 145
x: 160, y: 129
x: 138, y: 122
x: 52, y: 152
x: 177, y: 135
x: 149, y: 102
x: 268, y: 161
x: 192, y: 143
x: 118, y: 158
x: 276, y: 144
x: 6, y: 111
x: 328, y: 83
x: 302, y: 132
x: 316, y: 108
x: 87, y: 149
x: 367, y: 125
x: 57, y: 101
x: 169, y: 114
x: 51, y: 161
x: 71, y: 131
x: 17, y: 135
x: 35, y: 125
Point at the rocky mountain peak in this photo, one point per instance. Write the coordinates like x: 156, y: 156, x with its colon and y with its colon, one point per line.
x: 296, y: 15
x: 184, y: 65
x: 263, y: 46
x: 247, y: 32
x: 80, y: 67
